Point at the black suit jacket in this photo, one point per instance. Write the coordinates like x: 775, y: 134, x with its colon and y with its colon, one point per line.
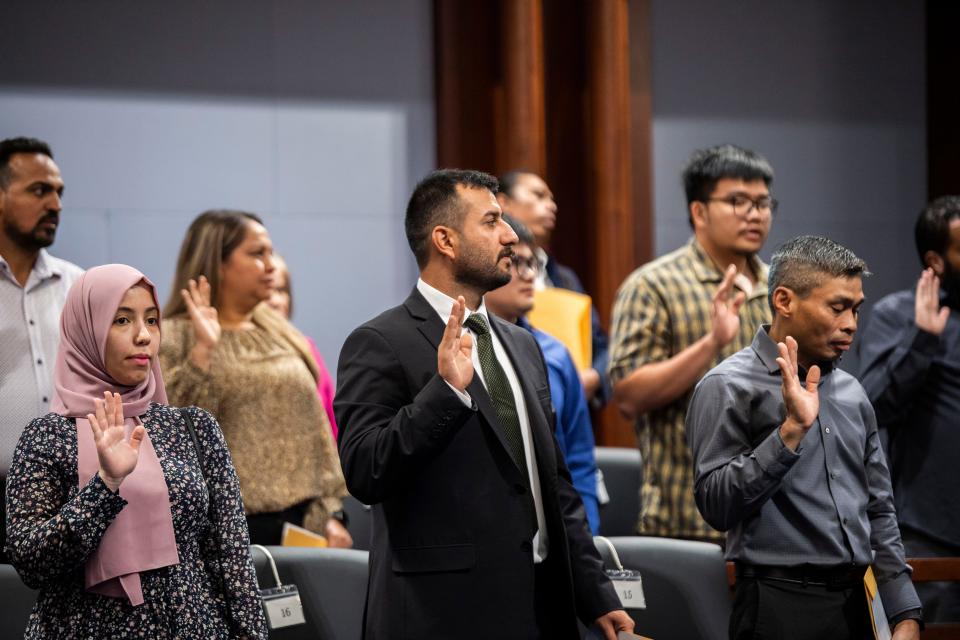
x: 451, y: 553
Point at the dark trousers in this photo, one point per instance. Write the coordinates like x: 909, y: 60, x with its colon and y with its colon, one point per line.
x: 940, y: 600
x: 767, y: 609
x: 267, y: 528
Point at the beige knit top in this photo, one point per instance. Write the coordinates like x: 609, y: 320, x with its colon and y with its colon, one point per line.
x: 264, y: 396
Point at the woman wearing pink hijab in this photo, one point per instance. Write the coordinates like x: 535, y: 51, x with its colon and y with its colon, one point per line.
x: 109, y: 512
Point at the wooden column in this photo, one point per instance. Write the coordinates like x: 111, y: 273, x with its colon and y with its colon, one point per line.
x: 521, y: 136
x: 561, y: 88
x: 611, y: 195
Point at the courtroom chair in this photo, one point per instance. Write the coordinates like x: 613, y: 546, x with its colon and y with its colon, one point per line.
x: 16, y: 602
x: 332, y: 585
x: 622, y: 470
x: 684, y: 585
x: 359, y: 522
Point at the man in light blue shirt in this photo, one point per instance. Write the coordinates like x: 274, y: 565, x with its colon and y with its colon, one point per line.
x: 574, y: 430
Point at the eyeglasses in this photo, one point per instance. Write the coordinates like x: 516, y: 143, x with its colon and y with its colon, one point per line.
x: 743, y: 204
x: 526, y: 267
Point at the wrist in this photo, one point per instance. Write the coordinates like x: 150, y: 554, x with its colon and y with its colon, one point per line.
x: 792, y: 433
x: 111, y: 483
x: 200, y: 355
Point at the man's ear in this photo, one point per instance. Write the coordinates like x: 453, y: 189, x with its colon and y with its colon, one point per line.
x: 784, y: 300
x: 934, y: 261
x: 698, y: 213
x: 445, y: 241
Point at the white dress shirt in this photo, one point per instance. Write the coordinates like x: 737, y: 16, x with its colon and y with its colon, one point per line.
x: 443, y: 305
x: 29, y: 337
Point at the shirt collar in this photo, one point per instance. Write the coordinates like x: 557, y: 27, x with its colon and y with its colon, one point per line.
x: 706, y: 270
x: 44, y: 267
x: 766, y: 349
x: 443, y: 304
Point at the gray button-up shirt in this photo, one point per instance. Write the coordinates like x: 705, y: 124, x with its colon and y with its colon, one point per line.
x: 828, y: 504
x: 29, y: 337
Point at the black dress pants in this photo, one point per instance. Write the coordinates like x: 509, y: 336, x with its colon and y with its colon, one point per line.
x: 768, y: 609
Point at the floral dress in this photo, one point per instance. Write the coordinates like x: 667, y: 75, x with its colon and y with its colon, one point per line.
x: 54, y: 526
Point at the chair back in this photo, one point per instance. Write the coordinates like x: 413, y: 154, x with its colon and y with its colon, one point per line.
x: 360, y: 522
x: 684, y: 585
x: 332, y: 585
x: 622, y: 472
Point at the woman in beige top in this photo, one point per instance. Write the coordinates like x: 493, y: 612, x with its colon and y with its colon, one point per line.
x: 226, y: 352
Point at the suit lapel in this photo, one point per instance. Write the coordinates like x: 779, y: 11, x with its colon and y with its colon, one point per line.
x: 432, y: 329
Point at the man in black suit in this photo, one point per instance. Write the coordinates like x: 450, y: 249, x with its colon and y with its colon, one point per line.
x: 446, y: 427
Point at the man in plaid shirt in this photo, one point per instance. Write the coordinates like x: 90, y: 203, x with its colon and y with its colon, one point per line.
x: 680, y: 315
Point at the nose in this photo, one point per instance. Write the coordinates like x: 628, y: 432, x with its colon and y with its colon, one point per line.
x: 143, y: 335
x: 268, y: 264
x: 510, y: 238
x: 849, y: 323
x: 55, y: 203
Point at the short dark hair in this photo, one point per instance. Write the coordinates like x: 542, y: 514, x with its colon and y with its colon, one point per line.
x: 524, y: 235
x: 510, y: 179
x: 932, y: 231
x: 12, y: 146
x: 435, y: 202
x: 801, y: 264
x: 706, y: 167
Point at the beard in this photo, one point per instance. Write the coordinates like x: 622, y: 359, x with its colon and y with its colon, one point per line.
x: 950, y: 283
x: 36, y: 238
x: 475, y: 270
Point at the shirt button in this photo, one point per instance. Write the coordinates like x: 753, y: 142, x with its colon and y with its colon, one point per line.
x: 31, y: 322
x: 39, y: 361
x: 44, y: 398
x: 833, y: 474
x: 827, y: 429
x: 844, y: 521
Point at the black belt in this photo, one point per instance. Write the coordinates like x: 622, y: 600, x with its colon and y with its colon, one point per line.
x: 849, y: 575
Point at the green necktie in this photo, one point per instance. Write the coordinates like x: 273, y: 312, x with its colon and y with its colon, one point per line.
x: 498, y: 386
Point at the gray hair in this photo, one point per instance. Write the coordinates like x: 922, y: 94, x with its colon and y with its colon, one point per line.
x: 802, y: 264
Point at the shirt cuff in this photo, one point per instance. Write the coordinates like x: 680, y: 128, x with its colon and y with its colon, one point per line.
x: 925, y: 342
x: 774, y: 457
x: 463, y: 395
x: 899, y: 596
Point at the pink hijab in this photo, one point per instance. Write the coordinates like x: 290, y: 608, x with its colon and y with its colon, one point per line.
x: 141, y: 537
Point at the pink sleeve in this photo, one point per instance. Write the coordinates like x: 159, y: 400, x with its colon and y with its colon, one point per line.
x: 324, y: 386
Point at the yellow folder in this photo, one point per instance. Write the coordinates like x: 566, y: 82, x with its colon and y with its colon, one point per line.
x: 565, y: 315
x: 294, y: 536
x: 878, y: 618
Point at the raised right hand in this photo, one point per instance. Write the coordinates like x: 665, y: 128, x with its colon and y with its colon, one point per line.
x: 206, y: 321
x: 725, y: 311
x: 802, y: 401
x: 929, y: 316
x: 453, y: 355
x: 118, y: 455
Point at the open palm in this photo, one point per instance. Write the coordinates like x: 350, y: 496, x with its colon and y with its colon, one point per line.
x: 118, y: 454
x: 454, y: 362
x: 203, y: 315
x: 725, y: 312
x: 801, y: 400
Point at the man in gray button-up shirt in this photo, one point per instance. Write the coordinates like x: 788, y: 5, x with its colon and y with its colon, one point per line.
x: 787, y: 460
x: 33, y: 287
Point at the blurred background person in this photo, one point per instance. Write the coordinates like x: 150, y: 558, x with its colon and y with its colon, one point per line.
x: 33, y: 286
x: 910, y: 367
x: 281, y: 301
x: 526, y: 197
x: 678, y: 316
x: 573, y: 429
x: 112, y: 462
x: 227, y: 352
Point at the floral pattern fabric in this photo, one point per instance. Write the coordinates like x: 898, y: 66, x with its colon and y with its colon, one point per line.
x: 53, y: 526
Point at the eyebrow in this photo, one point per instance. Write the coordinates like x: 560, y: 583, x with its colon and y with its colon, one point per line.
x: 129, y: 310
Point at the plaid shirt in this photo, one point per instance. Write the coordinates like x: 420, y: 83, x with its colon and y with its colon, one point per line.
x: 661, y: 309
